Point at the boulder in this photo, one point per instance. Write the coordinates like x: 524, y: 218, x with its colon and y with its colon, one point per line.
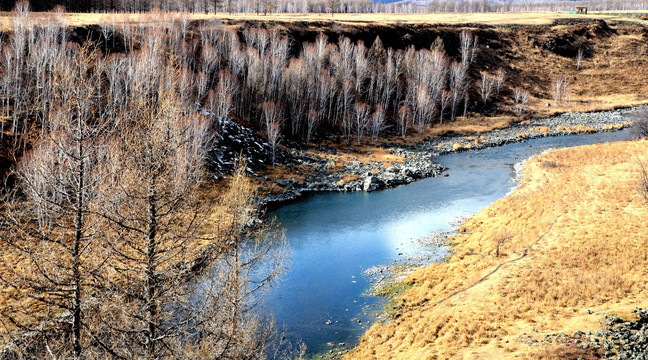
x: 372, y: 183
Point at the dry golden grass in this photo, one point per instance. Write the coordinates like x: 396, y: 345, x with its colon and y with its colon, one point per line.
x: 531, y: 18
x: 370, y: 153
x: 346, y: 178
x: 521, y: 18
x: 600, y: 84
x: 572, y: 237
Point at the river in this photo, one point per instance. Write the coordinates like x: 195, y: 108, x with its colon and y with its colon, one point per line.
x: 322, y: 300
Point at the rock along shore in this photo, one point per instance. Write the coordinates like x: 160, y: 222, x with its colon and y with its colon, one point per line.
x: 419, y: 158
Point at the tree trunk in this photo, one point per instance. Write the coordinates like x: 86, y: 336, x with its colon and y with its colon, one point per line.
x: 76, y: 273
x: 151, y: 281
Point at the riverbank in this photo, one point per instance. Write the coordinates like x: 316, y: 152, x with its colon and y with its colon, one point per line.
x: 535, y: 272
x: 328, y: 169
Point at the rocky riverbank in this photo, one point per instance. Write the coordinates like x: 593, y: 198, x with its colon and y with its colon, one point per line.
x: 418, y: 159
x: 620, y: 339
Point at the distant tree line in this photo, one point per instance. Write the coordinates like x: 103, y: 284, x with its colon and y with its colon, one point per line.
x: 324, y: 6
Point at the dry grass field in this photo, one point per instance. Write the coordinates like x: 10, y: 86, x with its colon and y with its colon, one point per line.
x: 571, y: 238
x: 523, y: 18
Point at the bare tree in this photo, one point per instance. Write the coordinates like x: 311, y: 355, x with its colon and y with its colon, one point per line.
x: 560, y: 85
x: 566, y: 95
x: 403, y: 116
x: 333, y: 6
x: 499, y: 79
x: 468, y: 46
x: 225, y: 89
x: 458, y: 86
x: 347, y: 126
x: 521, y: 98
x: 377, y: 122
x: 361, y: 117
x: 312, y: 121
x: 295, y: 81
x: 446, y: 97
x: 465, y: 43
x: 51, y: 226
x: 424, y: 108
x: 273, y: 131
x: 640, y: 124
x: 273, y: 126
x: 228, y: 327
x: 474, y: 49
x: 346, y: 100
x: 361, y: 64
x: 157, y: 214
x: 486, y: 86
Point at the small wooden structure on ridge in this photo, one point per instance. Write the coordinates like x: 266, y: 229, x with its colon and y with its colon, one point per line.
x: 581, y: 9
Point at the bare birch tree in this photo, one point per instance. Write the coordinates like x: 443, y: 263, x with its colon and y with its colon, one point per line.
x: 312, y: 121
x: 468, y: 45
x: 273, y: 131
x: 579, y: 58
x: 361, y: 118
x: 458, y: 86
x: 499, y: 79
x: 521, y: 98
x: 446, y: 96
x: 377, y: 122
x: 486, y: 86
x: 272, y: 126
x: 559, y: 86
x: 404, y: 119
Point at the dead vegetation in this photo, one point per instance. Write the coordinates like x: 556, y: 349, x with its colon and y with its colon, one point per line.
x: 530, y: 58
x: 576, y: 241
x: 107, y: 248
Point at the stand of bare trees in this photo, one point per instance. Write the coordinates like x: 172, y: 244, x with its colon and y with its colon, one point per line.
x: 561, y: 91
x: 326, y: 6
x: 109, y: 249
x: 521, y: 98
x: 222, y: 73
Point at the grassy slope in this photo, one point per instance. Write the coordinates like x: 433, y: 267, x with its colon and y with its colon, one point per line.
x: 574, y: 238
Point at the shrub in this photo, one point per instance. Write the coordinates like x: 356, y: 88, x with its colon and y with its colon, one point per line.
x: 640, y: 125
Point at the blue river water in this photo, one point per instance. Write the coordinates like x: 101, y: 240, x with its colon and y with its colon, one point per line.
x: 335, y: 236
